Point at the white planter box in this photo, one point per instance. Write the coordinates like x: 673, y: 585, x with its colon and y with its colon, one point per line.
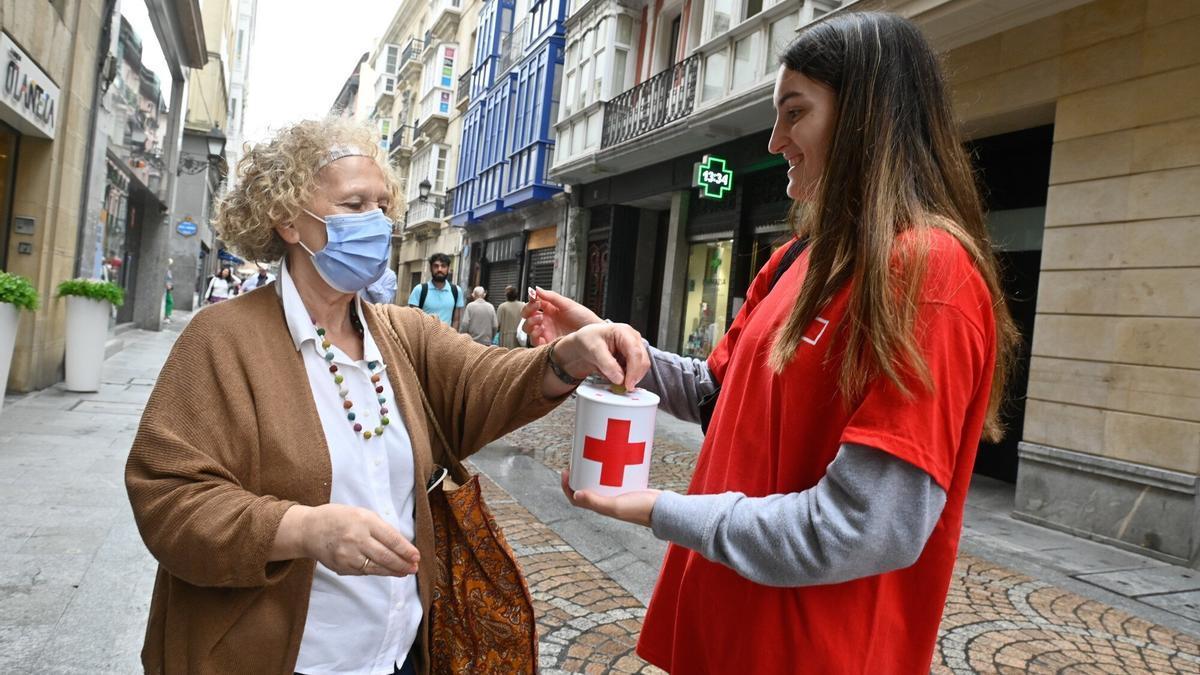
x: 10, y: 316
x: 87, y: 333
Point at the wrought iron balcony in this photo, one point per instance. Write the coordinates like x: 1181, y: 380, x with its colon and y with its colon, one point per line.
x: 400, y: 146
x: 653, y: 104
x: 464, y: 86
x: 410, y: 58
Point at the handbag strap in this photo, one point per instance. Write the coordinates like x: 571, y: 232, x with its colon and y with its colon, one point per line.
x: 457, y: 471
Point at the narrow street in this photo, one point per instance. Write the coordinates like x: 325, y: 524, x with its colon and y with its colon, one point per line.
x: 75, y: 579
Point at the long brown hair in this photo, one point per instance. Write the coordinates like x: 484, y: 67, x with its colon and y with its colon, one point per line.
x: 896, y: 162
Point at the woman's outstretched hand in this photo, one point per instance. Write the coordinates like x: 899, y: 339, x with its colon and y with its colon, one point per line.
x: 612, y: 350
x: 631, y: 507
x: 549, y: 316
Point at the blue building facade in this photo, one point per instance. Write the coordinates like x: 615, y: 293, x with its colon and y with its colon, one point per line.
x: 508, y: 130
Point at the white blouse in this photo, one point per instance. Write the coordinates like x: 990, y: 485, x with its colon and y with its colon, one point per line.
x: 357, y: 624
x: 219, y: 288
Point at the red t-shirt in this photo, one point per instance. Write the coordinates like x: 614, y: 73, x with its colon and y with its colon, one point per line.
x: 774, y: 434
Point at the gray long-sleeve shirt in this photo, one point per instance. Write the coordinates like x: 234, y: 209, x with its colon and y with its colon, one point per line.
x: 871, y: 513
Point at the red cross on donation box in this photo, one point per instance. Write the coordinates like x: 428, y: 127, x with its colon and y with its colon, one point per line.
x: 614, y: 452
x: 614, y: 436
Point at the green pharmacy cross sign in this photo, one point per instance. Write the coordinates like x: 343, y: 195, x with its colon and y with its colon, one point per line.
x: 713, y: 178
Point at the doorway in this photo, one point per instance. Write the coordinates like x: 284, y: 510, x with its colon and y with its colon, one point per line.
x: 1014, y: 172
x: 8, y: 162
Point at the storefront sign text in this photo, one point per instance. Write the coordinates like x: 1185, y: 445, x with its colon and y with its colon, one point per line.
x: 713, y: 179
x: 28, y: 99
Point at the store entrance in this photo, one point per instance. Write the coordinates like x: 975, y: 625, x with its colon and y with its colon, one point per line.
x: 8, y: 158
x: 1014, y: 169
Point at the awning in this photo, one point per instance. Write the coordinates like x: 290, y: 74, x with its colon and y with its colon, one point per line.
x: 229, y: 257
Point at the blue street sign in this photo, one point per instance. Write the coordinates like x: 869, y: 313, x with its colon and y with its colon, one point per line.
x: 186, y: 227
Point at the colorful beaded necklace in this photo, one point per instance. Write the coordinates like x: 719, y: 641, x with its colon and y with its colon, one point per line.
x: 344, y: 392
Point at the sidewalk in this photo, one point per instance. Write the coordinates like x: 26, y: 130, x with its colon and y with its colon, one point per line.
x: 75, y: 580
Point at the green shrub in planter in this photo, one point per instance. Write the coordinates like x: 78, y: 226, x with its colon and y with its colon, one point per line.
x: 17, y: 290
x: 96, y: 290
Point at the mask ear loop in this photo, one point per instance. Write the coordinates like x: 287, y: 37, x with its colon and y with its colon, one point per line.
x: 301, y: 241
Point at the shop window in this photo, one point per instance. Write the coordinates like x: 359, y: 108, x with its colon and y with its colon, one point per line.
x: 706, y: 304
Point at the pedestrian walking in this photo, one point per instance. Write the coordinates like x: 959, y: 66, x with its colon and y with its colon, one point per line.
x: 479, y: 318
x: 293, y: 487
x: 222, y: 286
x: 258, y: 280
x: 820, y: 528
x: 508, y: 316
x: 168, y: 287
x: 438, y: 296
x: 383, y: 290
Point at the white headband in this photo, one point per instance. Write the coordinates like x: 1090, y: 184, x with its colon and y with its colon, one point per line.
x: 339, y: 151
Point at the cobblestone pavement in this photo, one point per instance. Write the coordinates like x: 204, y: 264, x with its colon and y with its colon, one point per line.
x: 996, y: 620
x: 586, y: 622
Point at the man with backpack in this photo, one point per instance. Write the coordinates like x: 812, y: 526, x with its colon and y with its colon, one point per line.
x: 439, y: 296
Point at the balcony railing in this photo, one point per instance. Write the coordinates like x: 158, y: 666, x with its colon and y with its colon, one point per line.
x: 653, y: 104
x: 422, y: 212
x: 401, y: 139
x: 464, y: 85
x: 411, y: 54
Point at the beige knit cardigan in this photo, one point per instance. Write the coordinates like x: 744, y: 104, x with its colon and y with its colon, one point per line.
x: 230, y: 438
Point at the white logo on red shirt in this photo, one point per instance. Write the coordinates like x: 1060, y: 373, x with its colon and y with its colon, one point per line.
x: 818, y: 326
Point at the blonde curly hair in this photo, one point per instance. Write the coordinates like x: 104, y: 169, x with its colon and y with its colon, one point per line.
x: 275, y: 179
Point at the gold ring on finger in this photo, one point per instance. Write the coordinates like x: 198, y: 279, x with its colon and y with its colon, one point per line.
x: 365, y: 565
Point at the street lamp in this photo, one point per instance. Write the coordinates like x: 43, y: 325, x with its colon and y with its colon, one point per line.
x: 423, y: 192
x: 191, y: 163
x: 216, y: 142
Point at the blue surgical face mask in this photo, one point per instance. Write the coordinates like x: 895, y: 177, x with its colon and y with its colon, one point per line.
x: 357, y: 251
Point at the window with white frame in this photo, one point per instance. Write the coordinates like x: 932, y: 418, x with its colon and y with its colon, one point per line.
x: 590, y: 73
x: 746, y: 65
x: 622, y: 44
x: 570, y: 69
x: 720, y: 18
x: 715, y: 72
x: 440, y: 153
x: 428, y: 164
x: 722, y: 15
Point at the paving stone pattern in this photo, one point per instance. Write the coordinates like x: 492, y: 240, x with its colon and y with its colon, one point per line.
x: 586, y: 622
x: 996, y: 620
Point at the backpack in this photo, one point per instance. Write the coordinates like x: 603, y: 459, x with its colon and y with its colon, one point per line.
x: 425, y: 294
x: 709, y: 403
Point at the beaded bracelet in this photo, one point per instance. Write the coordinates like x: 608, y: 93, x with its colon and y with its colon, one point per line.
x: 558, y: 370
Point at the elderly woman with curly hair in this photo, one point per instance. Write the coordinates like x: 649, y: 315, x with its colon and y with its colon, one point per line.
x: 281, y: 482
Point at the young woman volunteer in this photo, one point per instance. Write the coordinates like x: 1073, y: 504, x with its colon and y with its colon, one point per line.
x: 820, y: 529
